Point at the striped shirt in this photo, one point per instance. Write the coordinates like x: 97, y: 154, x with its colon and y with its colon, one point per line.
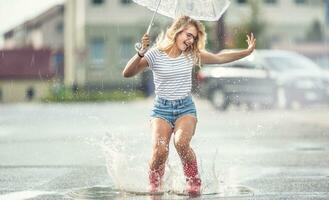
x: 172, y: 76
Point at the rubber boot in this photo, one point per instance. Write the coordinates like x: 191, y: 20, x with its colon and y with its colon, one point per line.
x: 155, y: 177
x: 193, y: 182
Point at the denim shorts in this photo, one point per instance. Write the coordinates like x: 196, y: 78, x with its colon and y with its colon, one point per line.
x: 171, y: 110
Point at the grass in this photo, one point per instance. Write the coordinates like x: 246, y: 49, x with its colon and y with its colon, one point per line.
x: 67, y: 95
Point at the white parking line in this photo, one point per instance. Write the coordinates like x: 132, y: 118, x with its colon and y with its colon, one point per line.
x: 23, y: 195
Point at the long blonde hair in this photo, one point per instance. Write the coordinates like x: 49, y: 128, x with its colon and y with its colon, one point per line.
x: 167, y: 40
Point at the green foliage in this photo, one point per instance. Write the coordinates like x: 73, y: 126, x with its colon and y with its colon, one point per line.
x: 314, y: 32
x: 254, y: 25
x: 208, y: 26
x: 63, y: 94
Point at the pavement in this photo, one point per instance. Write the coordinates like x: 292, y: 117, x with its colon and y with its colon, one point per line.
x: 56, y: 151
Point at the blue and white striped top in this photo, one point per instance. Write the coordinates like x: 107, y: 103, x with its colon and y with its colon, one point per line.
x: 172, y: 76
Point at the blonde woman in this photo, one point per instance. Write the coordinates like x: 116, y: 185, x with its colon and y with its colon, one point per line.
x: 172, y: 60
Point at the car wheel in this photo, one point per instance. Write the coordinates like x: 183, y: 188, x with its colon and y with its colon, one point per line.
x: 287, y: 102
x: 268, y: 106
x: 219, y: 99
x: 251, y: 106
x: 270, y: 103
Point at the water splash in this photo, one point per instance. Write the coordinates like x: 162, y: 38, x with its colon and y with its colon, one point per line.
x: 127, y: 165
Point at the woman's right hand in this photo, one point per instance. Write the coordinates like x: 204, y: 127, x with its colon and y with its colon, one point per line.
x: 136, y: 64
x: 145, y: 42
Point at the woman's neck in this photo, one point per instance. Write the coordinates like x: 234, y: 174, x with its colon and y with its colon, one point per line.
x: 173, y: 52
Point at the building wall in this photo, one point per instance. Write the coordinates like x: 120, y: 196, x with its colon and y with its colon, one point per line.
x: 104, y: 27
x: 115, y: 12
x: 17, y: 39
x: 286, y: 20
x: 12, y: 91
x: 109, y: 48
x: 102, y: 41
x: 44, y: 31
x: 280, y: 13
x: 52, y: 33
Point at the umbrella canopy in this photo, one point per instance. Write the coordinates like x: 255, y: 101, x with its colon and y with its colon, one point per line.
x: 208, y: 10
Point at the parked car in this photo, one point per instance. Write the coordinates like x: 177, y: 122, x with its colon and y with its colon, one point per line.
x: 323, y: 62
x: 270, y: 78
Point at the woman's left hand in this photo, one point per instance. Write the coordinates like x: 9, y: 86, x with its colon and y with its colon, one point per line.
x: 251, y: 40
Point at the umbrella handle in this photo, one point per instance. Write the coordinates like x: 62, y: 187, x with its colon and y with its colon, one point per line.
x: 138, y: 45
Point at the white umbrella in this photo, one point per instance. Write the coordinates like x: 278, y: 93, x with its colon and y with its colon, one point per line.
x: 207, y: 10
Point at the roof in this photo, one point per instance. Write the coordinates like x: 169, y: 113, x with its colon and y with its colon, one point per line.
x: 25, y: 64
x: 36, y: 21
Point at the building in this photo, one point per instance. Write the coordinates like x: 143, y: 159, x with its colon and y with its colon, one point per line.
x: 32, y: 58
x: 44, y: 31
x: 25, y: 74
x: 286, y: 21
x: 98, y: 36
x: 99, y: 39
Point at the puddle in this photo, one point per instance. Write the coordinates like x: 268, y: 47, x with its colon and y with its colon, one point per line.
x: 111, y: 193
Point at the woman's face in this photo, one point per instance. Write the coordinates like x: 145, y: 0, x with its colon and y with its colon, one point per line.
x: 186, y: 38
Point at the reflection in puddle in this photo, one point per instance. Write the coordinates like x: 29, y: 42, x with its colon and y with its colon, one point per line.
x: 311, y: 149
x: 115, y: 194
x: 94, y: 193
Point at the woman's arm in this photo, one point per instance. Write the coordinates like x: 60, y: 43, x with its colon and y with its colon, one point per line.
x: 225, y: 57
x: 137, y: 63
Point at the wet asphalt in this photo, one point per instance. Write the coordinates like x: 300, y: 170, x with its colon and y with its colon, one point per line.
x: 53, y: 151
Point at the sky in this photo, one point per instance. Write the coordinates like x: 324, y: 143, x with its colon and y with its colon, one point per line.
x: 15, y: 12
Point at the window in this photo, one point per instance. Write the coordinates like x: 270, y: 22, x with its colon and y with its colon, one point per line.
x: 59, y: 27
x: 97, y: 52
x: 30, y: 93
x: 245, y: 65
x: 271, y: 1
x: 97, y: 2
x: 57, y: 64
x: 190, y: 5
x: 300, y: 2
x: 126, y: 1
x: 295, y: 62
x: 241, y: 1
x: 126, y: 49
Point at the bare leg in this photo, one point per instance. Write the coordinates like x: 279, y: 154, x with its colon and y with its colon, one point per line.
x: 161, y: 133
x: 184, y: 131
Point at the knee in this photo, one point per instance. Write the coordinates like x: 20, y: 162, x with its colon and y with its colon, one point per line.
x: 160, y: 150
x: 182, y: 145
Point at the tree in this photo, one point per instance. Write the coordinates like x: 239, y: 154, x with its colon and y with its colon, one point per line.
x: 314, y: 32
x: 254, y: 25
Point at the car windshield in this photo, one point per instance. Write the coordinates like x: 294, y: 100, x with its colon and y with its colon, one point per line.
x: 287, y: 63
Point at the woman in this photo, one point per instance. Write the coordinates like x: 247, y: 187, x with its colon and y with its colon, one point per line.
x: 172, y: 60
